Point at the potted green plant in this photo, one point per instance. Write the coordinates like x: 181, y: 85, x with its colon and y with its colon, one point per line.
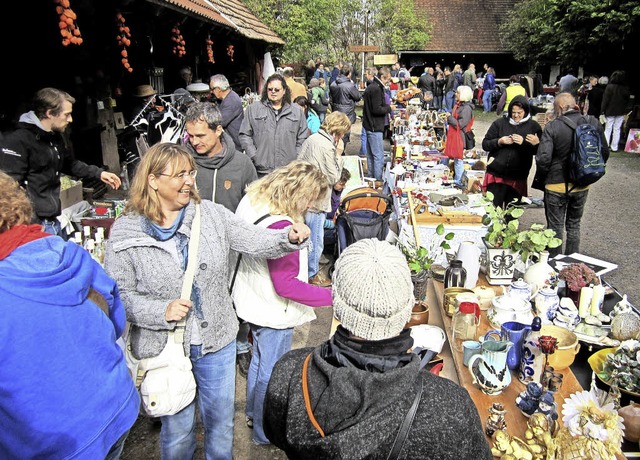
x: 535, y: 240
x: 421, y: 258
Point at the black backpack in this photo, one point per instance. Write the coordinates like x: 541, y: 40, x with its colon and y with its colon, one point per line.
x: 586, y: 164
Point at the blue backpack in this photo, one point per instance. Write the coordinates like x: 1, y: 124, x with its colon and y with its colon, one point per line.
x: 586, y: 164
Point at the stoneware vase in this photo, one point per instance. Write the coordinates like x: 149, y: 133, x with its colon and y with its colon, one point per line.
x: 489, y: 369
x: 540, y: 273
x: 546, y: 304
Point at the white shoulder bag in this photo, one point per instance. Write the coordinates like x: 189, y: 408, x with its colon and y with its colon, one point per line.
x: 166, y: 382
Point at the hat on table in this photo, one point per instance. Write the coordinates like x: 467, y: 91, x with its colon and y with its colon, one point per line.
x: 144, y: 91
x: 372, y: 290
x: 198, y: 88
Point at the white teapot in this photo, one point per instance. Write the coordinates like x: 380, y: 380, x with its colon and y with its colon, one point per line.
x: 520, y: 288
x: 509, y: 307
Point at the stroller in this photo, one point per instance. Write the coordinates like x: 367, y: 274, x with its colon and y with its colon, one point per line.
x: 363, y: 213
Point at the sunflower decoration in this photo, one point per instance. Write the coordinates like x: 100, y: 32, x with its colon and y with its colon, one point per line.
x: 69, y: 29
x: 590, y: 430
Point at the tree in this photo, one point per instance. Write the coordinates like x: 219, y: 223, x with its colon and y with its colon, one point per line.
x: 326, y: 28
x: 571, y: 33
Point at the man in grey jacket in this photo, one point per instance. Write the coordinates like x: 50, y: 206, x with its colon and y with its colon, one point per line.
x: 344, y: 95
x: 273, y: 129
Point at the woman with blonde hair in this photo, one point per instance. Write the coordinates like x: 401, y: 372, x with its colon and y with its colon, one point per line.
x: 147, y: 255
x: 460, y: 119
x: 273, y: 295
x: 321, y: 150
x: 61, y: 318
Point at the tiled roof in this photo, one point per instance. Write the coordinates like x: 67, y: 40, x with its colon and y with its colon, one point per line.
x: 229, y: 13
x: 465, y: 25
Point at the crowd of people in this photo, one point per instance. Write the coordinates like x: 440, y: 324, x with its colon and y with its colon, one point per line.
x: 266, y: 180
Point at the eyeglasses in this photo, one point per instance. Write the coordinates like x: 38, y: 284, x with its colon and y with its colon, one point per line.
x: 182, y: 175
x: 274, y: 90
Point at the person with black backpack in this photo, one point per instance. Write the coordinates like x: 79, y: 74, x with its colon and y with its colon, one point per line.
x: 571, y: 156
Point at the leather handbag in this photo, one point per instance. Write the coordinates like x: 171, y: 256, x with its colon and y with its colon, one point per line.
x: 166, y: 382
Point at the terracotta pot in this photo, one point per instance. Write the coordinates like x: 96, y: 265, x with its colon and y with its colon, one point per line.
x: 631, y: 416
x: 419, y: 314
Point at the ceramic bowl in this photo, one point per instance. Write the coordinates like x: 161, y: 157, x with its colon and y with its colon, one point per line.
x: 568, y: 346
x: 449, y: 302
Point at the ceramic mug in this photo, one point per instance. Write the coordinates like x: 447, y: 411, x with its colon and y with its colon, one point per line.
x: 470, y: 348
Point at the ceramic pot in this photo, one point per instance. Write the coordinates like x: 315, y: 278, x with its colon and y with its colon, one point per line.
x: 568, y: 346
x: 500, y: 265
x: 631, y: 416
x: 520, y: 288
x: 489, y: 369
x: 419, y: 314
x: 540, y: 273
x: 508, y: 308
x: 546, y: 304
x: 485, y: 295
x: 469, y: 254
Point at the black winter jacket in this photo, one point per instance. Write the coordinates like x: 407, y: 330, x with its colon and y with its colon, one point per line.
x: 511, y: 161
x: 344, y: 95
x: 375, y: 107
x: 360, y: 396
x: 35, y: 158
x: 555, y: 145
x: 615, y: 101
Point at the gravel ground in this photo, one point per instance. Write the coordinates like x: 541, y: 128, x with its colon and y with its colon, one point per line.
x: 609, y: 232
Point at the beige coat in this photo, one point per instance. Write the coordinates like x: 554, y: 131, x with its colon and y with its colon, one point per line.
x: 320, y: 150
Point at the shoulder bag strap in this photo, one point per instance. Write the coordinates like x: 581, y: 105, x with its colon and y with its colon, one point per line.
x: 403, y: 432
x: 189, y: 274
x: 235, y: 271
x: 305, y: 394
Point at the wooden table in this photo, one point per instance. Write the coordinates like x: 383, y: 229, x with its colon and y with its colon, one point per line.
x: 516, y: 422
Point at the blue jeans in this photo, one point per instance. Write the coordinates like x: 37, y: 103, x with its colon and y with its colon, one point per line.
x: 564, y: 210
x: 315, y: 222
x: 437, y: 102
x: 268, y: 347
x: 52, y: 226
x: 242, y: 338
x: 449, y: 99
x: 486, y: 100
x: 458, y: 171
x: 363, y: 143
x: 215, y: 375
x: 116, y: 450
x: 375, y: 155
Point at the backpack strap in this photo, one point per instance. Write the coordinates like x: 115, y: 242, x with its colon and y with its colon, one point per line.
x: 567, y: 121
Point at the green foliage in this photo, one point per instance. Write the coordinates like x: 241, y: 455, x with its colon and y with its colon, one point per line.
x: 535, y: 240
x: 503, y: 224
x: 421, y: 258
x: 569, y: 32
x: 325, y: 28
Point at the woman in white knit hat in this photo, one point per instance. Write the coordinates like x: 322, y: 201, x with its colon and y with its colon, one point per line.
x: 348, y: 397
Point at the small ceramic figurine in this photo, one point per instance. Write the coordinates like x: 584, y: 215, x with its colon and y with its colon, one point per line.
x: 496, y: 420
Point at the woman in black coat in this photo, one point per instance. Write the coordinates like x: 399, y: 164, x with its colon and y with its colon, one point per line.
x: 512, y: 143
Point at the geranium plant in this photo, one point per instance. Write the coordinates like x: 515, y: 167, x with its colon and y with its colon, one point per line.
x: 578, y: 275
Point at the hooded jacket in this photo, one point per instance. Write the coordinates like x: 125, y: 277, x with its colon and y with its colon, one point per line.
x: 272, y: 140
x: 227, y: 172
x: 66, y: 390
x: 511, y: 161
x: 35, y: 158
x: 344, y: 96
x: 360, y: 407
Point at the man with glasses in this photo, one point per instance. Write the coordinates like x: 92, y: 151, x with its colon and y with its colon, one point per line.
x: 273, y: 128
x: 230, y: 106
x: 223, y: 175
x: 35, y: 154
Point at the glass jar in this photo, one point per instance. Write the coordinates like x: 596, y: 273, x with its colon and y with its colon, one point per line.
x: 464, y: 324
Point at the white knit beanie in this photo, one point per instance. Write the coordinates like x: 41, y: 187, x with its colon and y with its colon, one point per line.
x: 372, y: 290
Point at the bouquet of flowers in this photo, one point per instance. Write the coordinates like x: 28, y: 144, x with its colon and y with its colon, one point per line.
x: 578, y: 275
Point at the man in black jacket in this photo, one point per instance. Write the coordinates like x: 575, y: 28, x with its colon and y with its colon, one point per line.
x: 427, y: 83
x: 35, y: 154
x: 373, y: 118
x: 563, y: 202
x: 344, y: 95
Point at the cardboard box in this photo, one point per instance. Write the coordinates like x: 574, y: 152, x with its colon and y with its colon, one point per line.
x: 72, y: 195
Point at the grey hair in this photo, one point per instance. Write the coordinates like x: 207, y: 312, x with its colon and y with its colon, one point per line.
x: 219, y: 81
x: 204, y: 111
x: 465, y: 92
x: 603, y: 80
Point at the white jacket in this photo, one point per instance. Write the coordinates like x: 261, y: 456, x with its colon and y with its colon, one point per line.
x: 253, y: 294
